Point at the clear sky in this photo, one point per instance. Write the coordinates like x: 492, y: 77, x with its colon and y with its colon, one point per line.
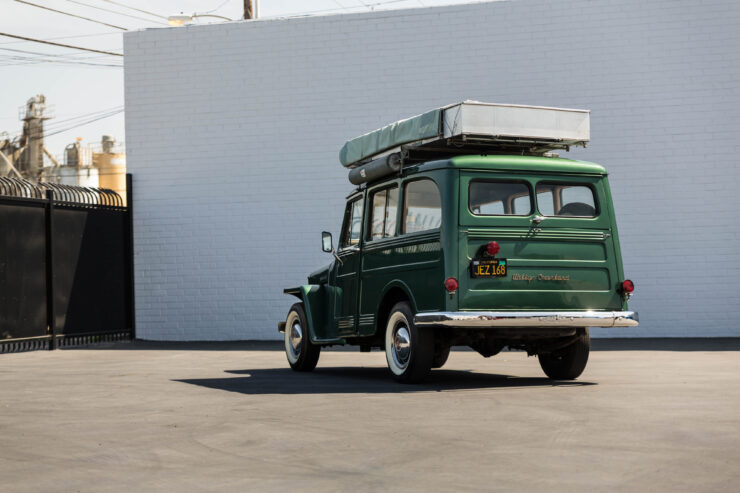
x: 79, y: 84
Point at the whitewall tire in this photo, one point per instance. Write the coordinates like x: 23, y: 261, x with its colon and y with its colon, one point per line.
x: 409, y: 350
x: 302, y: 354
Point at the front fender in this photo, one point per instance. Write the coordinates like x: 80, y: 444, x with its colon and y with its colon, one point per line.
x: 315, y: 298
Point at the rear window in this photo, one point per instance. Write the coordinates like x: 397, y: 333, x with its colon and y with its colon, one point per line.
x: 499, y: 198
x: 566, y: 200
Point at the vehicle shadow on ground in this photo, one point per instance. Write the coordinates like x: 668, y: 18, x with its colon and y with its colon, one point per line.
x: 348, y: 380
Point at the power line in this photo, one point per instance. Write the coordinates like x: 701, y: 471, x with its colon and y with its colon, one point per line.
x: 36, y: 57
x: 85, y: 115
x: 34, y: 61
x: 20, y: 61
x: 15, y: 36
x: 51, y: 130
x: 340, y: 5
x: 65, y: 37
x: 378, y: 4
x: 84, y: 123
x: 217, y: 8
x: 137, y: 10
x: 84, y: 56
x: 60, y: 58
x: 31, y: 60
x: 309, y: 12
x: 115, y: 12
x: 71, y: 15
x: 17, y: 60
x: 72, y: 122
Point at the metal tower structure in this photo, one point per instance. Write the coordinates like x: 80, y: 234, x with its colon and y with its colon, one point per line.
x: 31, y: 162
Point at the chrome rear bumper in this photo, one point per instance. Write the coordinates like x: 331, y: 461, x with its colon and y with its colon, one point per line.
x: 484, y: 320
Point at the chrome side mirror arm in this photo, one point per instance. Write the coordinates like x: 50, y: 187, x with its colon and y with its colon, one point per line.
x: 334, y: 252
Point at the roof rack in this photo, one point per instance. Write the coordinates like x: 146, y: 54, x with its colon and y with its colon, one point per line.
x: 470, y: 127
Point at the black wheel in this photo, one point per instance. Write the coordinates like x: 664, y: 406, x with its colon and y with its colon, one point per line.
x: 301, y: 352
x: 567, y: 363
x: 441, y: 353
x: 409, y: 350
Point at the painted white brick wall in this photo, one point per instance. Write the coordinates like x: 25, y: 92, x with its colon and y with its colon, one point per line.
x: 233, y: 132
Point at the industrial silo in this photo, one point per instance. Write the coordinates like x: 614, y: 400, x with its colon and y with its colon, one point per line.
x: 111, y: 167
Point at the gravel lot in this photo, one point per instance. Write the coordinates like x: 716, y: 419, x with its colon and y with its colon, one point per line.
x: 645, y: 416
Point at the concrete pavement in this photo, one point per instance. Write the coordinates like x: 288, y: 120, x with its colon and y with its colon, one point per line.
x: 234, y: 417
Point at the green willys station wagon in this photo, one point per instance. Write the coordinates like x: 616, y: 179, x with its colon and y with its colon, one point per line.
x: 466, y: 229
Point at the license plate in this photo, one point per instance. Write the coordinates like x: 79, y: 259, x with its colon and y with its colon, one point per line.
x: 488, y: 267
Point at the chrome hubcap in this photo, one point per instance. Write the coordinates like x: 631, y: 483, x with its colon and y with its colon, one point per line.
x: 401, y: 346
x: 296, y: 339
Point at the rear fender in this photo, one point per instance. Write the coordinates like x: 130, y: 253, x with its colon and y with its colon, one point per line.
x: 315, y: 298
x: 393, y: 292
x: 397, y: 284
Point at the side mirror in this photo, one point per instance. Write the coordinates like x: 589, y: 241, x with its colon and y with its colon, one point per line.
x: 326, y: 242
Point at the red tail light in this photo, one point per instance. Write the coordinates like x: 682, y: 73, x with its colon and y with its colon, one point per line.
x: 628, y: 286
x: 493, y: 248
x: 451, y: 284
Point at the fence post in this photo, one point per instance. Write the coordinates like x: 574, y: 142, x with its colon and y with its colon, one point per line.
x: 130, y: 252
x: 50, y: 318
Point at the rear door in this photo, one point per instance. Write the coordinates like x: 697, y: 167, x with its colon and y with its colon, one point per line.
x: 555, y: 238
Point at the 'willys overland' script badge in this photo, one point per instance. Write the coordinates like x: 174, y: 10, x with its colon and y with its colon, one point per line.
x: 540, y: 277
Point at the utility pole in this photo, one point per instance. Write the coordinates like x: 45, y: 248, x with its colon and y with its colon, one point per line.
x: 248, y: 9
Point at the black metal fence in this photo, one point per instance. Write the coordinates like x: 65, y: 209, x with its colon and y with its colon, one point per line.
x: 66, y: 265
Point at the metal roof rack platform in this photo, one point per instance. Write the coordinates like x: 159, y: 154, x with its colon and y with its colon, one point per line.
x: 471, y: 127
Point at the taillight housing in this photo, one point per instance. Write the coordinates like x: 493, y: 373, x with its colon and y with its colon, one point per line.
x: 628, y: 288
x: 451, y: 285
x: 492, y: 248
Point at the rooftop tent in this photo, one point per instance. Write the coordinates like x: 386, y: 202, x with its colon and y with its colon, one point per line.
x: 412, y: 129
x: 472, y: 127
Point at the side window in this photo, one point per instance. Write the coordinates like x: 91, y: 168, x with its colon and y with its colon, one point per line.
x: 422, y: 207
x: 499, y: 198
x: 383, y: 214
x: 566, y: 199
x: 352, y: 223
x: 545, y: 201
x: 521, y: 205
